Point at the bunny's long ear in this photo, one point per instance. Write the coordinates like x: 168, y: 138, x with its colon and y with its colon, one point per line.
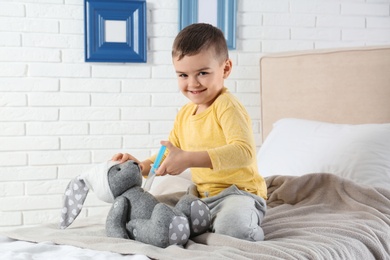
x: 74, y: 198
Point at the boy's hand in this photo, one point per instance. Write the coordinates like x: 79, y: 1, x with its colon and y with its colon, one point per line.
x: 179, y: 160
x: 123, y: 157
x: 175, y: 163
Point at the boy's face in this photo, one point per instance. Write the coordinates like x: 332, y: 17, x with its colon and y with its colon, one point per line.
x: 201, y: 77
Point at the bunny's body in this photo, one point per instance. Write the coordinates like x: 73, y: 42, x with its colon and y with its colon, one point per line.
x: 138, y: 215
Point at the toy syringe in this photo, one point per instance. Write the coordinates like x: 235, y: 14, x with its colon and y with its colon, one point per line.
x: 152, y: 172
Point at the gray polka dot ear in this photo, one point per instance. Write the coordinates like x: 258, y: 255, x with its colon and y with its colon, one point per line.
x: 74, y: 198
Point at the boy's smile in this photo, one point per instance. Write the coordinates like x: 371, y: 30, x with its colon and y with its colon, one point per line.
x: 201, y: 77
x: 197, y: 92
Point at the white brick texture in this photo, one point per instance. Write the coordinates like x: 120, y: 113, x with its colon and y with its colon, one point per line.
x: 59, y: 114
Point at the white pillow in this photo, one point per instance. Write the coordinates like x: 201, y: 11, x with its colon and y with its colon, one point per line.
x: 358, y: 152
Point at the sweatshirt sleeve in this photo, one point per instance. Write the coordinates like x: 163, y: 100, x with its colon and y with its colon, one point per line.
x: 239, y: 150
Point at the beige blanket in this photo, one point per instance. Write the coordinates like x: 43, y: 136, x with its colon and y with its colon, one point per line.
x: 316, y: 216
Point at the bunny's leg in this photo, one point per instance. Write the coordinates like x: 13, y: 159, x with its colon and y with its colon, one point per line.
x: 197, y: 212
x: 166, y: 227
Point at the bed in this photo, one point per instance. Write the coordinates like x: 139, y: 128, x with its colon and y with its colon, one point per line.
x: 325, y: 157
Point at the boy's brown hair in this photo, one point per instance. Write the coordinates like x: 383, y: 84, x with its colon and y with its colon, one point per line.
x: 198, y: 37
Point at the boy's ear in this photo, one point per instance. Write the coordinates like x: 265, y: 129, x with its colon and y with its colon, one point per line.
x: 227, y: 68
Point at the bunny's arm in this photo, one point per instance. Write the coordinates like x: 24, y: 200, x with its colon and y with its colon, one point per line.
x: 117, y: 218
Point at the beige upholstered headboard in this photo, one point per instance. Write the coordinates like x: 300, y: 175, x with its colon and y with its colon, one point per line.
x: 350, y: 86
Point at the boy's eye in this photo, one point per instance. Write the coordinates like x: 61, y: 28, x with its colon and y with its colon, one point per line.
x: 203, y: 73
x: 182, y: 75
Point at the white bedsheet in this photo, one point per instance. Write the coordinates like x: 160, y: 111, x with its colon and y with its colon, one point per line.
x: 22, y: 250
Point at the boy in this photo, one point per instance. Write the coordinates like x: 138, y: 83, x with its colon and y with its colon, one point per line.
x: 212, y: 135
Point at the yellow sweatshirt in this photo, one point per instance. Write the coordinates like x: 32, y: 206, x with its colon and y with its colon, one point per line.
x: 224, y: 130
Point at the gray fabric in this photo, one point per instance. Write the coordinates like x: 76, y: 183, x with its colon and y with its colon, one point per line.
x: 233, y: 190
x: 197, y: 211
x: 200, y: 217
x: 73, y: 200
x: 237, y: 216
x: 315, y: 216
x: 237, y: 213
x: 179, y: 231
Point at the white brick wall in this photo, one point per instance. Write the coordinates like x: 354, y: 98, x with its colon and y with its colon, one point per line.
x: 59, y: 114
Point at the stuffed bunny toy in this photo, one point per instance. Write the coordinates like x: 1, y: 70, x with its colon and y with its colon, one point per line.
x: 135, y: 214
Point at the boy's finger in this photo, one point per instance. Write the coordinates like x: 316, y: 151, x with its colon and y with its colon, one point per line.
x: 161, y: 170
x: 124, y: 158
x: 168, y: 144
x: 116, y: 157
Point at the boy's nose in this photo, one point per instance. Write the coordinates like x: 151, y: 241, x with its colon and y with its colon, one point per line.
x: 193, y: 82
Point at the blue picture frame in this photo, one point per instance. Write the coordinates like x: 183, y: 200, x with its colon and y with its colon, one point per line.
x: 226, y: 17
x: 131, y: 12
